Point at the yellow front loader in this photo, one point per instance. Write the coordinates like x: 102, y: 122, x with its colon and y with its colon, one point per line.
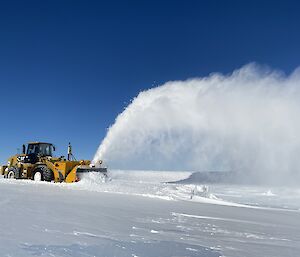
x: 37, y: 163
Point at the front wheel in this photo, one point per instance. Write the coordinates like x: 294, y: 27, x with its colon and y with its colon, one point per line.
x: 43, y: 173
x: 37, y: 176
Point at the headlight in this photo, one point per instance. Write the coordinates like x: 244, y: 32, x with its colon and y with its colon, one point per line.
x: 8, y: 163
x: 21, y: 158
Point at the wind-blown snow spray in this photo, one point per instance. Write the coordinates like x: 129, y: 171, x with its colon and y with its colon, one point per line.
x: 248, y: 121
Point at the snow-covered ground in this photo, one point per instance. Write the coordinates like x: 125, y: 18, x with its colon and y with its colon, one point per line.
x: 140, y: 214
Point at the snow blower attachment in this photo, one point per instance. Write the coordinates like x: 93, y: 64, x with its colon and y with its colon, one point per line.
x: 37, y: 163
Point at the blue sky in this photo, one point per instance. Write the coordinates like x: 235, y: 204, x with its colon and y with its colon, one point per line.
x: 67, y: 68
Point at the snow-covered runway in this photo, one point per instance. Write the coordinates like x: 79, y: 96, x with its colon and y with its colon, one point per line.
x: 137, y: 214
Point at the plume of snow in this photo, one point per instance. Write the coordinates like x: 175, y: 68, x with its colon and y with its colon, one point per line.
x: 247, y: 121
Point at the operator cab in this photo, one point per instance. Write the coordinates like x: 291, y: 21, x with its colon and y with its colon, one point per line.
x: 39, y: 149
x: 34, y: 151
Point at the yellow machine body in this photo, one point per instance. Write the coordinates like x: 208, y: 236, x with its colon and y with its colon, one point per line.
x: 26, y: 165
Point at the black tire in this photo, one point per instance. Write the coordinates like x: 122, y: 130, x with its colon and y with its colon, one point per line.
x: 47, y: 174
x: 13, y: 173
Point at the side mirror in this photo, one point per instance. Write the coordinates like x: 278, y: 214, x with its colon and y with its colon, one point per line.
x: 23, y: 149
x: 54, y: 148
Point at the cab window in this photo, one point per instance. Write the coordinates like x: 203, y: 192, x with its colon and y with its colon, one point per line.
x: 32, y: 149
x: 41, y: 149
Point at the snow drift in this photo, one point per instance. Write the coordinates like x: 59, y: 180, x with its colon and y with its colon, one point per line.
x: 246, y: 122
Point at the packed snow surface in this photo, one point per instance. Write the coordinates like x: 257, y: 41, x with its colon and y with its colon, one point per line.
x: 147, y: 213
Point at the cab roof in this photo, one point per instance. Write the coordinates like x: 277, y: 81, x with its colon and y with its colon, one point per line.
x: 36, y: 143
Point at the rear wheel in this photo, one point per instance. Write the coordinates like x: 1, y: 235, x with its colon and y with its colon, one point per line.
x: 12, y: 173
